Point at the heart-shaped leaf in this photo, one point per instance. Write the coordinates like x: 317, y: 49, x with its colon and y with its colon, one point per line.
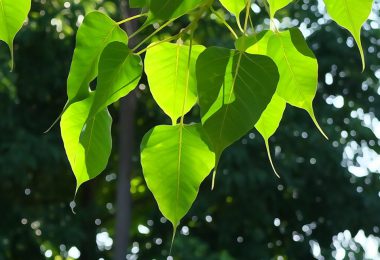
x: 119, y: 73
x: 297, y: 65
x: 95, y: 33
x: 89, y: 157
x: 235, y: 7
x: 172, y: 84
x: 12, y: 15
x: 351, y: 14
x: 175, y: 161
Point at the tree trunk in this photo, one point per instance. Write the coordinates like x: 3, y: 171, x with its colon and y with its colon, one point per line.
x: 126, y: 148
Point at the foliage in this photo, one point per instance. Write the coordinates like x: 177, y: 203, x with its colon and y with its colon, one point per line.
x: 234, y: 90
x: 257, y: 183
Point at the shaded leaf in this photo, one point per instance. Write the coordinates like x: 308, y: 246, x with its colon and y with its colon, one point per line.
x: 89, y: 158
x: 234, y: 89
x: 170, y: 9
x: 95, y: 33
x: 351, y: 14
x: 170, y: 80
x: 175, y: 161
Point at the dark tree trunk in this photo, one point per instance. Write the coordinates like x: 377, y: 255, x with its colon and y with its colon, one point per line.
x: 126, y: 148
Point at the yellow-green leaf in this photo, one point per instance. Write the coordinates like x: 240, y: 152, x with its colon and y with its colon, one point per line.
x: 175, y: 161
x: 276, y: 5
x: 89, y: 157
x: 351, y: 14
x: 119, y: 73
x: 95, y: 33
x: 12, y: 15
x: 172, y: 83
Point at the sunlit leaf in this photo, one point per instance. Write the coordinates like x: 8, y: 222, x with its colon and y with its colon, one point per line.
x: 235, y: 7
x: 89, y: 158
x: 351, y: 14
x: 234, y: 89
x: 175, y: 161
x: 95, y: 33
x: 173, y: 86
x: 276, y: 5
x: 12, y: 15
x: 269, y: 122
x: 119, y: 73
x: 297, y: 65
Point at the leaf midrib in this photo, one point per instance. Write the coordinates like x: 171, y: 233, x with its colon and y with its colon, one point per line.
x: 289, y: 65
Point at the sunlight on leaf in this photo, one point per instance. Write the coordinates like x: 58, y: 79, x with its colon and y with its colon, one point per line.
x: 12, y: 15
x: 89, y: 158
x: 166, y: 69
x: 95, y: 33
x: 175, y: 161
x: 351, y: 14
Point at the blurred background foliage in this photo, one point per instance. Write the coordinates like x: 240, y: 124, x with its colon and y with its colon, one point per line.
x: 326, y: 204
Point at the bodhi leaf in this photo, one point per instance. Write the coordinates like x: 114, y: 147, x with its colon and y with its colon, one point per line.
x: 276, y: 5
x: 12, y: 15
x: 269, y: 122
x: 235, y: 7
x: 351, y: 14
x: 175, y: 161
x: 170, y: 9
x: 234, y: 88
x: 95, y: 33
x: 89, y: 158
x: 119, y: 73
x: 298, y: 68
x: 271, y: 117
x: 170, y: 80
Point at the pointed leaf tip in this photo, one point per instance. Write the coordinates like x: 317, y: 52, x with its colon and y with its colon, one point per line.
x: 312, y: 115
x: 351, y: 15
x: 270, y: 158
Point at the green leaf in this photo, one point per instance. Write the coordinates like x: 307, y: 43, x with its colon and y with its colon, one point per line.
x: 271, y: 117
x: 89, y: 158
x: 95, y: 33
x: 351, y: 14
x: 138, y: 3
x: 172, y: 84
x: 269, y: 122
x: 171, y: 9
x: 276, y: 5
x: 12, y: 15
x: 175, y: 161
x: 119, y: 73
x: 235, y: 7
x: 297, y: 65
x: 234, y: 89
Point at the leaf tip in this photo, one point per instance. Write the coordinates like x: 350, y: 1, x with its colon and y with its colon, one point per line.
x: 270, y: 158
x: 175, y: 225
x: 213, y: 178
x: 312, y: 115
